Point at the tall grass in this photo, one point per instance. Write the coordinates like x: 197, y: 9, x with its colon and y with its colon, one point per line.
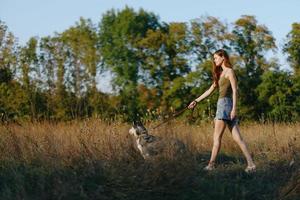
x: 92, y: 159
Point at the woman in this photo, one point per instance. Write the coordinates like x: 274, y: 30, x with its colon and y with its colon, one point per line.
x: 224, y: 79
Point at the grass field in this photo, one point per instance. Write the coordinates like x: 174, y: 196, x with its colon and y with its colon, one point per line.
x: 93, y: 159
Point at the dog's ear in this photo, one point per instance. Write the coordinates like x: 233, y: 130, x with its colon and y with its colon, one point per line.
x: 137, y: 123
x: 142, y: 129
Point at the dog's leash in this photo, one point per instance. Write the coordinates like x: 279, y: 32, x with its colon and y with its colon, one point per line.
x: 172, y: 117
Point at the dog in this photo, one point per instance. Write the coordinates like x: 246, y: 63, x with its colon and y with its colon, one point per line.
x: 151, y: 146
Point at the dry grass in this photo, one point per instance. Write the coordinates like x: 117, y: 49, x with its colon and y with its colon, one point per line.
x: 107, y: 166
x: 106, y: 141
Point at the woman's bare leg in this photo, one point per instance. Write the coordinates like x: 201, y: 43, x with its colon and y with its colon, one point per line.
x: 218, y: 133
x: 239, y: 140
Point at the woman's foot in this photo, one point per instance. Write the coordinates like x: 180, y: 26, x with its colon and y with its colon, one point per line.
x: 210, y: 166
x: 250, y: 169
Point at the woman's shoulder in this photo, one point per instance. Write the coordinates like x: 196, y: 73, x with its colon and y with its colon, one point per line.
x: 229, y: 72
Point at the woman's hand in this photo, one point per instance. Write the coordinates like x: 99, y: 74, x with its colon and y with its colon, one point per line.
x: 233, y: 114
x: 192, y: 104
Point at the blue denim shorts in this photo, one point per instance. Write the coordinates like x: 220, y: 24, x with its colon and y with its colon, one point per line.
x: 224, y: 107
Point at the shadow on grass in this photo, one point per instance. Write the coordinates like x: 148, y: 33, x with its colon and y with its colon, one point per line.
x: 134, y: 178
x: 272, y: 180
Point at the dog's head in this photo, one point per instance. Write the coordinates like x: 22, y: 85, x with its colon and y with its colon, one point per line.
x: 137, y: 129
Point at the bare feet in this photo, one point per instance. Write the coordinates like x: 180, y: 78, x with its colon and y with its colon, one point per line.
x: 250, y: 169
x: 210, y: 166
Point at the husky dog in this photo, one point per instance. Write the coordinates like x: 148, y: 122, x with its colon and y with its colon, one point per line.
x: 149, y: 145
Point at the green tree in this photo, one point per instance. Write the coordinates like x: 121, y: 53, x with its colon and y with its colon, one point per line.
x: 53, y: 61
x: 12, y: 97
x: 82, y: 61
x: 292, y: 48
x: 207, y: 35
x: 119, y: 33
x: 165, y: 64
x: 28, y: 68
x: 296, y: 95
x: 250, y: 42
x: 277, y: 96
x: 8, y: 54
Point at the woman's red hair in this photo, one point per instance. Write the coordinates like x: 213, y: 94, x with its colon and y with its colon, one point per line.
x: 216, y: 71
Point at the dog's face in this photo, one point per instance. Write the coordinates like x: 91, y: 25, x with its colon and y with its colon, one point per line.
x: 137, y: 129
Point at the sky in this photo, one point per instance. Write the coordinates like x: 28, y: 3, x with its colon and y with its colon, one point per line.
x: 28, y: 18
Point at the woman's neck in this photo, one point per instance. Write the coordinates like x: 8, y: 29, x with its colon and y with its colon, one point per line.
x: 223, y: 66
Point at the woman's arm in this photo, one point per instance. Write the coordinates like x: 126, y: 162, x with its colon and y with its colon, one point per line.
x: 233, y: 83
x: 203, y: 96
x: 206, y: 93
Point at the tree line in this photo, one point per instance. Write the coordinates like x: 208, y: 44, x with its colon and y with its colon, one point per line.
x: 156, y: 69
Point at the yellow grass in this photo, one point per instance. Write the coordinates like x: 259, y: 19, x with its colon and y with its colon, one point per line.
x: 96, y: 159
x: 61, y: 143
